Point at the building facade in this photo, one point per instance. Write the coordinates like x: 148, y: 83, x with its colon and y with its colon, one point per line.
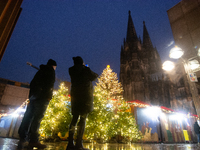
x: 12, y: 94
x: 184, y: 19
x: 9, y: 14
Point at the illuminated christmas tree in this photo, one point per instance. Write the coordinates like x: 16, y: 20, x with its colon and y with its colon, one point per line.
x: 106, y: 89
x: 58, y: 116
x: 108, y: 85
x: 99, y: 119
x: 105, y: 122
x: 124, y: 125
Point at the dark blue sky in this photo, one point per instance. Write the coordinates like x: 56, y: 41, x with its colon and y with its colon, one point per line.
x: 92, y: 29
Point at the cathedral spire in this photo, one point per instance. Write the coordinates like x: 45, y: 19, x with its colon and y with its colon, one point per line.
x: 146, y: 39
x: 131, y: 33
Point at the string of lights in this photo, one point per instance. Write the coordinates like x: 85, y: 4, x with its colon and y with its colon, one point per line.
x: 17, y: 111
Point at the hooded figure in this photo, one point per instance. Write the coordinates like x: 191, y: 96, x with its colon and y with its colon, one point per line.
x: 82, y: 88
x: 81, y: 99
x: 43, y: 81
x: 41, y: 88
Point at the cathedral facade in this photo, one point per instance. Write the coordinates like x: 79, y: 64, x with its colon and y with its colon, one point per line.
x: 142, y: 77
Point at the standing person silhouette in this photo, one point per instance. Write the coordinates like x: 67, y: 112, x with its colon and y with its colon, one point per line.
x: 197, y: 130
x: 41, y: 90
x: 81, y: 100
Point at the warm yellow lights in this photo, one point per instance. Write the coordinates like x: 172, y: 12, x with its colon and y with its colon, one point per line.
x: 176, y: 52
x: 168, y: 65
x: 57, y: 113
x: 106, y: 120
x: 108, y: 84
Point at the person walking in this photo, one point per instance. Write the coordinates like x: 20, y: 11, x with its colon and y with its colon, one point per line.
x: 197, y: 131
x: 41, y: 90
x: 81, y: 100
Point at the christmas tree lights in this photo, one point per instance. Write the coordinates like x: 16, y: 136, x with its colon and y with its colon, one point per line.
x: 98, y: 120
x: 104, y: 122
x: 109, y: 119
x: 58, y: 116
x: 124, y: 124
x: 108, y: 85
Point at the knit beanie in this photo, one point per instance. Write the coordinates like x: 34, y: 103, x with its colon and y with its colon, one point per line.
x: 78, y: 60
x: 51, y: 62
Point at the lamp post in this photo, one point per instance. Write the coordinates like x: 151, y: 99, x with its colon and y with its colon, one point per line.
x: 190, y: 65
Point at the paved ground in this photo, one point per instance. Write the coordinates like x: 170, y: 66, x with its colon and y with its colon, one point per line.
x: 11, y: 144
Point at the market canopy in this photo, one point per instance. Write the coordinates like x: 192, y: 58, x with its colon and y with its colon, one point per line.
x: 139, y: 103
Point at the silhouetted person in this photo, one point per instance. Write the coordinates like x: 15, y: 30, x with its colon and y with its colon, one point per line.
x: 197, y: 131
x: 41, y: 90
x: 81, y: 100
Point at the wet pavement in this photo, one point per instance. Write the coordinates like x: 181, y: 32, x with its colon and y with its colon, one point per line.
x: 11, y: 144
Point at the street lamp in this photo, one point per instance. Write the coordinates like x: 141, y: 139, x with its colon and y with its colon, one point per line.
x: 168, y: 65
x: 191, y: 66
x: 176, y: 53
x: 194, y: 64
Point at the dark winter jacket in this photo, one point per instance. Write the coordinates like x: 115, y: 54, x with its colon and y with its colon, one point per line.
x: 196, y: 128
x: 81, y: 89
x: 43, y: 82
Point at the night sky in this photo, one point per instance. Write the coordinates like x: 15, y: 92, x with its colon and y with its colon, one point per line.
x: 92, y: 29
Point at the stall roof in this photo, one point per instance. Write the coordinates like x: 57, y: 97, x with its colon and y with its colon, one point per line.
x: 138, y: 102
x: 141, y: 103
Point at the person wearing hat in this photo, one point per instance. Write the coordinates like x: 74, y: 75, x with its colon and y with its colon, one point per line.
x: 81, y: 100
x: 41, y: 91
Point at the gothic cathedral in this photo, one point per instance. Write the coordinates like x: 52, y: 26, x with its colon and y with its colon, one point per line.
x: 142, y: 77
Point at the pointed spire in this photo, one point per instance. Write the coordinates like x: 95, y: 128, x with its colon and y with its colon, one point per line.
x: 122, y: 47
x: 131, y: 35
x: 140, y: 40
x: 146, y: 39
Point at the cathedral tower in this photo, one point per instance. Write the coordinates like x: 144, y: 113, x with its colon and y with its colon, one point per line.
x: 142, y: 77
x: 139, y: 60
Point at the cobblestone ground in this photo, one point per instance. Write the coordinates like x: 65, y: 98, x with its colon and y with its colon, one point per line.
x: 11, y: 144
